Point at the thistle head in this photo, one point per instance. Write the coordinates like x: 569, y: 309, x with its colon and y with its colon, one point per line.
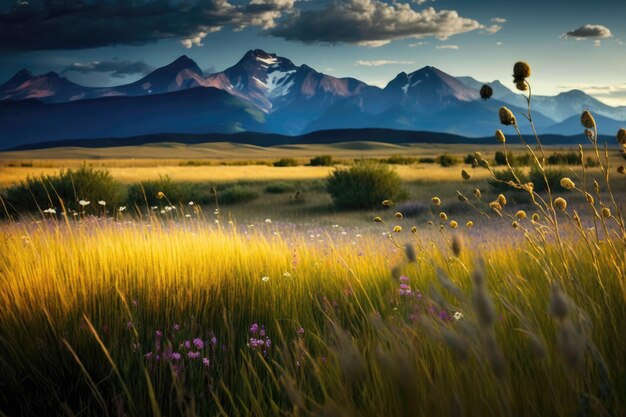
x: 535, y: 217
x: 587, y: 120
x: 567, y: 183
x: 521, y: 71
x: 469, y: 224
x: 465, y: 175
x: 477, y: 193
x: 500, y: 136
x: 521, y: 214
x: 454, y: 224
x: 397, y: 229
x: 502, y: 200
x: 398, y: 215
x: 443, y: 216
x: 436, y: 201
x: 521, y: 85
x: 621, y: 136
x: 560, y: 203
x: 506, y: 117
x: 486, y: 92
x: 606, y: 212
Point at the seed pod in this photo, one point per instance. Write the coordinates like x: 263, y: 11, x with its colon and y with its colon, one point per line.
x: 606, y: 212
x: 436, y: 201
x: 521, y: 71
x: 521, y: 85
x: 465, y: 175
x: 469, y: 224
x: 502, y: 200
x: 378, y: 219
x: 486, y: 92
x: 398, y: 215
x: 443, y: 216
x: 567, y: 183
x: 621, y: 136
x: 560, y: 203
x: 506, y: 117
x: 587, y: 120
x: 536, y: 217
x: 500, y: 136
x: 454, y: 224
x: 521, y: 214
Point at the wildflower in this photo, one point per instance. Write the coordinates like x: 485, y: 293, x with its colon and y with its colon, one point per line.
x: 469, y: 224
x: 477, y: 193
x: 265, y: 278
x: 50, y: 211
x: 436, y: 201
x: 398, y: 215
x: 502, y: 200
x: 405, y: 289
x: 193, y: 355
x: 454, y: 224
x: 122, y: 208
x: 191, y: 203
x: 567, y: 183
x: 458, y: 315
x: 176, y: 327
x: 160, y: 195
x: 535, y: 217
x: 300, y: 331
x: 560, y: 203
x: 486, y: 92
x: 397, y: 229
x: 521, y: 71
x: 506, y: 117
x: 268, y: 221
x: 287, y: 275
x: 521, y: 214
x: 254, y: 328
x: 606, y: 212
x: 158, y: 333
x: 500, y: 136
x: 587, y: 120
x: 465, y: 175
x: 377, y: 219
x: 187, y: 344
x: 175, y: 356
x: 102, y: 203
x: 443, y: 216
x: 198, y: 343
x: 621, y: 136
x: 84, y: 203
x: 148, y: 355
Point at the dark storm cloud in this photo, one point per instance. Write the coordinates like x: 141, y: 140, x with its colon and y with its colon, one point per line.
x: 116, y: 68
x: 79, y: 24
x: 588, y: 31
x: 372, y: 23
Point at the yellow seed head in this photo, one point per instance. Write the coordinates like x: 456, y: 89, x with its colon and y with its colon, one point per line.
x: 567, y: 183
x: 521, y: 214
x: 477, y: 193
x: 495, y: 206
x: 397, y: 229
x: 443, y: 216
x: 589, y: 198
x: 587, y: 120
x: 506, y: 117
x: 621, y: 169
x: 469, y: 224
x: 398, y: 215
x: 606, y: 212
x: 387, y: 203
x: 378, y: 219
x: 160, y: 195
x: 500, y: 136
x: 413, y: 229
x: 465, y: 175
x: 536, y: 217
x: 461, y: 197
x: 621, y: 136
x: 560, y: 203
x: 502, y: 200
x: 521, y: 70
x: 454, y: 224
x: 436, y: 201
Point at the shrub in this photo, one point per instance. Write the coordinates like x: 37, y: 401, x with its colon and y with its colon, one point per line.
x: 322, y: 161
x: 279, y: 187
x: 70, y: 186
x: 553, y: 176
x: 286, y: 162
x: 237, y: 194
x: 176, y: 192
x: 446, y: 160
x: 400, y: 160
x: 364, y: 185
x: 427, y: 161
x: 506, y: 175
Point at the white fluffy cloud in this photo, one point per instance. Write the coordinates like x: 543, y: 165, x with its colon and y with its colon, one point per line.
x: 373, y: 23
x: 588, y: 32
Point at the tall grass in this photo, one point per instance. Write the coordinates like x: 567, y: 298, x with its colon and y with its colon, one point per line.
x: 180, y: 314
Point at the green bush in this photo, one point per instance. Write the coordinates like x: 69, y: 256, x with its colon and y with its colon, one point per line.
x: 446, y: 160
x: 322, y: 161
x: 400, y: 160
x: 364, y: 185
x: 553, y: 176
x: 427, y: 160
x: 280, y: 187
x: 69, y: 186
x: 176, y: 192
x: 286, y: 162
x: 237, y: 194
x: 506, y: 175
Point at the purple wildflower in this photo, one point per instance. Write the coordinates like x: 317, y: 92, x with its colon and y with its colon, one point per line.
x: 175, y: 356
x: 176, y: 327
x: 193, y: 355
x: 214, y: 341
x: 254, y: 328
x: 159, y: 333
x: 198, y: 343
x: 300, y: 331
x: 148, y: 355
x: 206, y: 362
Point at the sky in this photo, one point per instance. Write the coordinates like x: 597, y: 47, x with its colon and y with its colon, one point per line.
x: 568, y: 43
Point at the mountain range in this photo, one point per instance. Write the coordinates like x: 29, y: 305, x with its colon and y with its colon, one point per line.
x: 270, y: 94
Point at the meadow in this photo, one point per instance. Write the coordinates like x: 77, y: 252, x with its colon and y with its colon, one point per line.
x: 477, y: 294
